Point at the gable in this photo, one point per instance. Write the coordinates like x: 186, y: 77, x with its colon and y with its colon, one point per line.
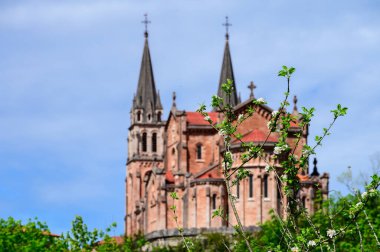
x: 171, y: 117
x: 256, y: 126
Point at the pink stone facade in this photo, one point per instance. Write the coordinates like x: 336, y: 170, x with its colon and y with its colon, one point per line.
x: 185, y: 154
x: 196, y: 177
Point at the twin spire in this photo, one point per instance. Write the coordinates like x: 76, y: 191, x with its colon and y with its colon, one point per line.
x: 147, y: 99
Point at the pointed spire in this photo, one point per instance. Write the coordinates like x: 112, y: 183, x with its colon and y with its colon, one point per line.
x: 227, y: 72
x: 315, y: 172
x: 147, y: 98
x: 146, y: 89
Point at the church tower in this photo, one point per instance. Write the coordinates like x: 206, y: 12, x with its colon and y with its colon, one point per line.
x: 145, y: 141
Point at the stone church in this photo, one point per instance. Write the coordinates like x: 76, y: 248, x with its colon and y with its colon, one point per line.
x: 183, y: 153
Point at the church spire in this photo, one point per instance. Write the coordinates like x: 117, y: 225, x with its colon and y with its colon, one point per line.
x: 227, y: 72
x: 147, y: 98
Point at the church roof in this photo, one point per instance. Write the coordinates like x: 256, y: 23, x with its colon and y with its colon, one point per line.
x: 195, y: 118
x: 257, y: 135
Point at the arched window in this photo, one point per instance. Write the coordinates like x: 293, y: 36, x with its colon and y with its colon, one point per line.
x: 154, y: 142
x: 138, y: 116
x: 148, y: 117
x: 144, y: 149
x: 214, y: 201
x: 199, y: 151
x: 250, y: 180
x: 266, y: 185
x: 159, y: 117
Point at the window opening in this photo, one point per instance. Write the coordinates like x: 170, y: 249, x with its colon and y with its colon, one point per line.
x: 266, y: 186
x: 138, y: 116
x: 250, y: 185
x: 144, y: 149
x: 214, y: 201
x: 154, y: 142
x: 199, y: 151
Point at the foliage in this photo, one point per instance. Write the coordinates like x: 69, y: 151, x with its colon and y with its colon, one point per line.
x: 134, y: 243
x: 271, y: 234
x: 35, y: 236
x: 32, y: 236
x: 80, y: 238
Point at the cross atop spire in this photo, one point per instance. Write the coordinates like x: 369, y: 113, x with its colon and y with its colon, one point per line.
x: 226, y: 24
x: 146, y: 22
x: 252, y: 86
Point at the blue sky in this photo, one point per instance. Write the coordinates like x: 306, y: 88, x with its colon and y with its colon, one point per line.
x: 68, y: 71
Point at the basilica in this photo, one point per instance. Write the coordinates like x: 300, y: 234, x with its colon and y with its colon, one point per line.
x: 182, y: 153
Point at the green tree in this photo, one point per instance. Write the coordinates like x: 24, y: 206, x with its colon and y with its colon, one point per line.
x: 32, y: 236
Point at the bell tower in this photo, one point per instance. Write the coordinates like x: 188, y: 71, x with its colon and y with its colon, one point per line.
x: 145, y: 141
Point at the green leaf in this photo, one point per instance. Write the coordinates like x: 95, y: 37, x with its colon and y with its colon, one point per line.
x: 173, y: 195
